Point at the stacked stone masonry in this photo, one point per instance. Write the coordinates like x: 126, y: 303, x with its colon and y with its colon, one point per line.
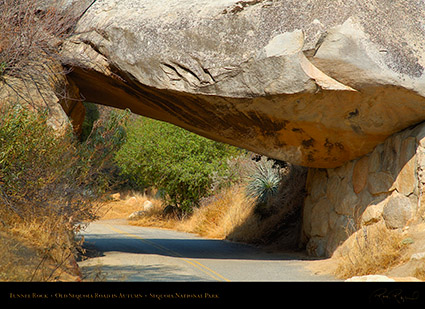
x: 385, y: 187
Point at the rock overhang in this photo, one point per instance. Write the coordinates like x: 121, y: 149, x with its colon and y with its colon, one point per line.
x: 313, y: 85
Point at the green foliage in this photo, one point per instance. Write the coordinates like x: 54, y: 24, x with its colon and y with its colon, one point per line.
x: 96, y: 152
x: 92, y: 115
x: 179, y: 163
x: 46, y: 173
x: 49, y: 182
x: 3, y: 66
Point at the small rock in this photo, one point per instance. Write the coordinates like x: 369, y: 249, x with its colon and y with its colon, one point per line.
x: 417, y: 256
x: 147, y: 205
x: 370, y: 278
x: 360, y: 174
x: 373, y: 213
x: 136, y: 215
x: 316, y: 246
x: 397, y: 211
x: 380, y: 182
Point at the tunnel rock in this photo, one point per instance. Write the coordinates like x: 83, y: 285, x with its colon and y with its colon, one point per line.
x: 314, y: 83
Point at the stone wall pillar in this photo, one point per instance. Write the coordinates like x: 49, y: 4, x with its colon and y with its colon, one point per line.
x: 384, y: 186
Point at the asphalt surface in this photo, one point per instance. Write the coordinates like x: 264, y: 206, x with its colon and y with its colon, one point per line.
x: 128, y: 253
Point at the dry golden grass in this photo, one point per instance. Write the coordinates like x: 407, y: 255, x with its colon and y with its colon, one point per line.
x: 230, y: 215
x: 37, y: 250
x: 123, y: 204
x: 371, y: 250
x: 227, y: 215
x: 217, y: 219
x: 420, y: 272
x: 17, y: 261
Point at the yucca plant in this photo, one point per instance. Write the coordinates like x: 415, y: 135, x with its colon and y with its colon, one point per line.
x: 263, y: 183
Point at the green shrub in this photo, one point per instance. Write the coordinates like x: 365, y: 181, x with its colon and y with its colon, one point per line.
x: 46, y: 173
x: 181, y: 164
x: 49, y: 182
x: 91, y: 116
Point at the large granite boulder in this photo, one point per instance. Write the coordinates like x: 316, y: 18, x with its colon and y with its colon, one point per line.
x: 316, y: 82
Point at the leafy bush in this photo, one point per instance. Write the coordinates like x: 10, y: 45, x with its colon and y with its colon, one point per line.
x: 50, y: 181
x: 91, y: 116
x: 48, y: 171
x: 182, y: 165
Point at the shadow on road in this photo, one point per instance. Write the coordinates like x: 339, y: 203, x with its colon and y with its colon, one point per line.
x: 138, y: 273
x: 185, y: 248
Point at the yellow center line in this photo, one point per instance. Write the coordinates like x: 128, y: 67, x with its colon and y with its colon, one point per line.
x: 194, y: 263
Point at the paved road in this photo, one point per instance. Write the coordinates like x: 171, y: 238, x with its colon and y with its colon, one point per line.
x: 130, y: 253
